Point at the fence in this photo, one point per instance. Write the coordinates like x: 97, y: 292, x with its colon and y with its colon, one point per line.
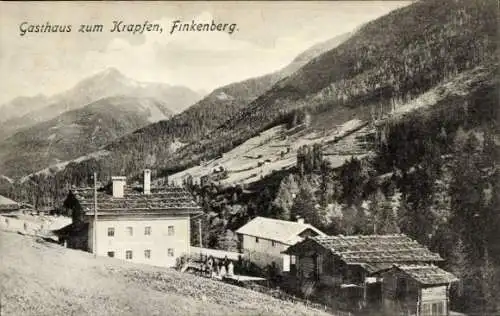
x: 11, y: 223
x: 283, y: 296
x: 32, y: 225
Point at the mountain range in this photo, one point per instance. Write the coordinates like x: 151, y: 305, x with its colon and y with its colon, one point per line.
x: 24, y: 112
x: 21, y: 150
x: 78, y: 132
x: 40, y: 131
x: 391, y: 129
x: 345, y: 78
x: 384, y: 64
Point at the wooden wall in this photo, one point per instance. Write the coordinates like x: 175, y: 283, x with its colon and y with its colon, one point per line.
x: 434, y: 300
x: 400, y: 293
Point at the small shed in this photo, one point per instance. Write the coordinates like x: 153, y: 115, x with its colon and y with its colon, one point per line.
x: 417, y: 289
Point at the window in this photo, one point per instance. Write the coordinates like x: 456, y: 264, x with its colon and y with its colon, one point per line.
x: 128, y: 254
x: 111, y: 254
x: 147, y: 253
x: 147, y: 230
x: 130, y: 231
x: 433, y: 309
x: 171, y: 230
x: 111, y: 231
x: 427, y: 309
x: 401, y: 288
x: 273, y: 243
x: 170, y: 252
x: 256, y: 240
x: 438, y: 309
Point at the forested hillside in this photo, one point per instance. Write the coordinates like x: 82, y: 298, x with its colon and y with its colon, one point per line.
x: 434, y: 175
x: 384, y: 65
x: 387, y: 63
x: 151, y: 145
x: 196, y: 123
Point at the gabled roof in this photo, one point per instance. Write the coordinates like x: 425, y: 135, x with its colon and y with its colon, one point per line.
x: 285, y: 232
x: 162, y: 201
x: 377, y: 248
x: 373, y: 252
x: 427, y: 274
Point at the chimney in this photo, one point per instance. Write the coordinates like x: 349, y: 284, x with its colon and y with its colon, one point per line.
x: 147, y: 182
x: 118, y: 186
x: 300, y: 220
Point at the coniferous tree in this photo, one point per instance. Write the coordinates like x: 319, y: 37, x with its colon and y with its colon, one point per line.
x: 305, y: 205
x: 490, y: 287
x: 459, y: 265
x: 285, y: 197
x: 228, y: 241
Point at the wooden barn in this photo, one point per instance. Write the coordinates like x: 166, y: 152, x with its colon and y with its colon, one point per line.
x: 420, y: 289
x: 352, y: 268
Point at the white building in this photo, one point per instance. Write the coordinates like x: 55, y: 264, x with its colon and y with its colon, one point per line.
x: 263, y: 239
x: 142, y: 224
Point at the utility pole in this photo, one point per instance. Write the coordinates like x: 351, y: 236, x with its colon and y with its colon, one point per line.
x: 94, y: 248
x: 199, y: 233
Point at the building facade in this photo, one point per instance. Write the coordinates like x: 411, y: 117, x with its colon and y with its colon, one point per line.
x: 263, y: 240
x: 417, y: 290
x: 360, y: 272
x: 154, y: 240
x: 141, y: 224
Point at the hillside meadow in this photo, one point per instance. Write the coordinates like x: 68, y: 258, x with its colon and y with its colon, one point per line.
x: 39, y: 278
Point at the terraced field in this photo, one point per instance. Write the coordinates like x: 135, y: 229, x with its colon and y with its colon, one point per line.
x: 276, y: 149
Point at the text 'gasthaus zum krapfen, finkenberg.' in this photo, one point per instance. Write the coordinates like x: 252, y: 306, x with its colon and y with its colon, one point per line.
x: 176, y: 26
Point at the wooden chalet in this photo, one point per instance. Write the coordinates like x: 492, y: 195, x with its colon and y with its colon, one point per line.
x: 352, y: 268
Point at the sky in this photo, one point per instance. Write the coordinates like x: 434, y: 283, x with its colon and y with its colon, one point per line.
x: 268, y: 36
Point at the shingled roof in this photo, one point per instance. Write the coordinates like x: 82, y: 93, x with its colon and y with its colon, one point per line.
x: 374, y: 252
x: 427, y: 274
x: 161, y: 200
x: 286, y: 232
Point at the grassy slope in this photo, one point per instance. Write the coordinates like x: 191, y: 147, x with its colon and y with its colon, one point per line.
x: 46, y: 279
